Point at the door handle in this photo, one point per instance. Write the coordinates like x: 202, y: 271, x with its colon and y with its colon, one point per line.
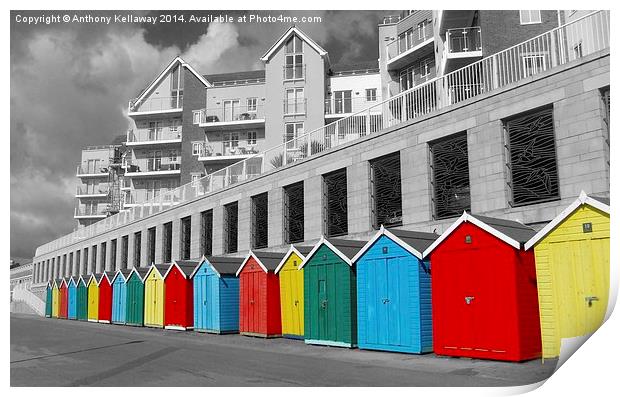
x: 385, y: 301
x: 591, y: 299
x: 296, y: 302
x: 324, y: 303
x: 468, y: 299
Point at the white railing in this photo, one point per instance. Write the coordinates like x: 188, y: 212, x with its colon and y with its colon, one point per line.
x: 464, y: 40
x: 223, y: 114
x: 153, y: 134
x: 220, y: 149
x: 21, y: 294
x: 506, y: 67
x: 157, y: 104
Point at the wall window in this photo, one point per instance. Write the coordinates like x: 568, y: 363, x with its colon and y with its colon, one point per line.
x: 113, y: 245
x: 335, y: 218
x: 294, y: 59
x: 295, y: 102
x: 252, y: 104
x: 150, y: 246
x: 206, y: 232
x: 251, y: 138
x: 155, y: 130
x: 385, y: 190
x: 137, y: 248
x: 176, y: 87
x: 531, y: 158
x: 175, y: 124
x: 186, y: 237
x: 423, y: 30
x: 259, y: 221
x: 231, y: 143
x: 231, y: 218
x: 578, y: 50
x: 232, y: 109
x: 167, y: 240
x: 293, y: 206
x: 450, y: 176
x: 406, y: 78
x: 196, y: 117
x: 292, y: 131
x: 342, y: 102
x: 196, y: 148
x: 529, y: 16
x: 371, y: 94
x: 195, y: 178
x: 172, y: 156
x: 124, y: 251
x: 426, y: 66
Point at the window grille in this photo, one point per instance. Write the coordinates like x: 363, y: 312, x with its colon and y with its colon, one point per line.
x: 386, y: 196
x: 152, y: 233
x: 231, y: 227
x: 167, y: 248
x: 103, y: 255
x: 124, y: 251
x: 206, y: 232
x: 294, y: 213
x: 186, y: 237
x: 137, y: 245
x: 260, y: 221
x: 335, y: 203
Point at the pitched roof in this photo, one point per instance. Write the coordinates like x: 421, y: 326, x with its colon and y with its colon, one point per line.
x: 413, y: 242
x: 511, y: 232
x: 266, y: 260
x: 300, y: 250
x: 293, y: 30
x: 223, y: 265
x: 245, y: 75
x: 121, y: 272
x: 600, y: 203
x: 185, y: 266
x: 345, y: 249
x: 141, y: 272
x: 350, y: 66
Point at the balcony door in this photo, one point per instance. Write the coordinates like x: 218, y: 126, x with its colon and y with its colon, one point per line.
x: 155, y: 130
x: 154, y: 161
x: 231, y: 110
x: 152, y: 189
x: 342, y: 102
x: 231, y: 143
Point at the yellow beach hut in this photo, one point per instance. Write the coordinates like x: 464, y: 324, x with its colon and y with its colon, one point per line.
x: 154, y: 296
x: 291, y: 281
x: 55, y: 297
x: 93, y: 297
x: 572, y: 271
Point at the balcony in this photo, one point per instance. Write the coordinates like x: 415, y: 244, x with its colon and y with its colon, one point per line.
x: 154, y: 136
x: 461, y: 46
x: 126, y: 184
x: 294, y: 107
x: 449, y: 19
x: 160, y: 105
x: 98, y: 212
x: 152, y: 167
x: 164, y: 195
x: 233, y: 115
x: 335, y: 108
x: 91, y: 171
x: 92, y: 191
x: 225, y: 151
x: 409, y: 47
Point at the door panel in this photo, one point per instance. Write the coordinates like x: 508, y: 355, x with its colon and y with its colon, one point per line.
x: 322, y: 302
x: 395, y: 278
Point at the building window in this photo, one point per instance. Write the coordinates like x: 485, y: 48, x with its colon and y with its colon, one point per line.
x: 293, y: 131
x: 112, y: 253
x: 186, y: 237
x: 196, y: 117
x: 259, y: 221
x: 231, y: 214
x: 450, y: 176
x: 529, y: 16
x: 294, y: 59
x: 251, y: 138
x: 176, y: 88
x: 423, y: 30
x: 425, y: 67
x: 206, y: 232
x: 252, y: 104
x: 172, y: 156
x: 195, y: 178
x: 196, y: 148
x: 406, y: 78
x: 124, y: 251
x: 532, y: 165
x: 167, y: 247
x: 155, y: 130
x: 175, y: 124
x: 385, y: 190
x: 231, y: 143
x: 335, y: 203
x: 295, y: 101
x: 103, y: 255
x: 293, y: 218
x: 342, y: 102
x: 578, y: 50
x: 137, y: 245
x: 150, y: 249
x: 371, y: 94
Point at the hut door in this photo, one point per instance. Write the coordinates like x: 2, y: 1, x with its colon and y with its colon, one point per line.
x: 323, y: 303
x: 200, y: 304
x: 211, y: 308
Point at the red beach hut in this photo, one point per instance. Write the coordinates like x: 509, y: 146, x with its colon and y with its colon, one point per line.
x: 484, y: 294
x: 63, y: 297
x: 179, y: 301
x: 104, y: 282
x: 259, y: 295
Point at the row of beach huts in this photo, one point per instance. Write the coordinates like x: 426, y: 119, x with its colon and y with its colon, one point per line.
x: 486, y: 288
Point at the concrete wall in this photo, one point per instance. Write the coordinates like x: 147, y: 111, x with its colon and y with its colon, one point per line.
x: 572, y: 90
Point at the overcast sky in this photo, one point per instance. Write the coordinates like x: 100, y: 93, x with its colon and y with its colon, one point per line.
x: 70, y: 85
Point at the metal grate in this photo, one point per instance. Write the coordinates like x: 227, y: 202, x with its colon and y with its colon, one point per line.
x: 231, y: 214
x: 450, y: 176
x: 186, y: 237
x: 152, y: 233
x: 335, y: 203
x: 112, y: 253
x: 78, y: 259
x: 137, y: 245
x: 206, y: 232
x: 124, y: 251
x: 260, y: 220
x: 294, y: 213
x: 167, y: 248
x: 103, y: 255
x: 385, y: 190
x: 86, y: 268
x: 532, y: 163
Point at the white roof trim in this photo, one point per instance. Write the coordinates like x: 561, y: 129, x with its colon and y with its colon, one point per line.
x: 83, y: 280
x: 72, y: 280
x: 116, y: 275
x: 469, y: 218
x: 290, y: 251
x: 175, y: 264
x: 133, y: 270
x: 329, y: 245
x: 63, y: 281
x: 384, y: 232
x: 104, y: 274
x: 285, y: 37
x: 251, y: 254
x: 150, y: 270
x: 583, y: 199
x: 202, y: 261
x: 91, y: 278
x: 163, y: 74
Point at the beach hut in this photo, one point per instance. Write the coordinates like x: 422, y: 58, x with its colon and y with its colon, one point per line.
x: 135, y: 297
x: 259, y: 295
x: 291, y: 281
x: 55, y: 298
x: 330, y: 293
x: 104, y: 284
x: 93, y: 297
x: 484, y: 298
x: 179, y: 302
x: 63, y: 299
x: 82, y: 298
x: 216, y: 295
x: 48, y: 300
x: 119, y: 296
x: 72, y: 299
x: 394, y: 292
x: 154, y: 296
x: 572, y: 267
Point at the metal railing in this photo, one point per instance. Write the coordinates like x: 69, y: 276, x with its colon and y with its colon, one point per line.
x: 227, y: 148
x: 506, y: 67
x: 103, y: 188
x: 345, y: 106
x: 22, y: 294
x: 463, y: 40
x: 154, y: 134
x: 86, y: 170
x: 89, y: 211
x: 232, y: 113
x: 229, y: 83
x: 153, y: 164
x: 157, y: 104
x: 412, y: 38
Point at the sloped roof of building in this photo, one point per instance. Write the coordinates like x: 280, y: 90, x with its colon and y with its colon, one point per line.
x: 344, y: 248
x: 299, y: 250
x: 185, y: 266
x: 246, y: 75
x: 266, y: 260
x: 351, y: 66
x: 285, y: 36
x: 513, y: 229
x: 223, y: 265
x: 412, y: 241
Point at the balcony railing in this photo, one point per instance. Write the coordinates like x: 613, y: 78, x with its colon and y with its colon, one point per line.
x: 335, y: 106
x: 464, y: 40
x: 228, y: 148
x: 91, y: 170
x: 139, y: 196
x: 153, y: 165
x: 154, y: 134
x: 295, y: 106
x: 88, y: 211
x: 232, y: 113
x: 409, y: 41
x: 92, y: 190
x: 157, y: 104
x: 499, y: 70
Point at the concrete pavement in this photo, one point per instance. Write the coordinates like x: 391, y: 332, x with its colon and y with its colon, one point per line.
x: 52, y: 352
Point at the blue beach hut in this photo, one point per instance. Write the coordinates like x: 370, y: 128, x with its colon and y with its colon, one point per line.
x: 216, y: 295
x: 119, y: 296
x: 72, y: 299
x: 394, y: 292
